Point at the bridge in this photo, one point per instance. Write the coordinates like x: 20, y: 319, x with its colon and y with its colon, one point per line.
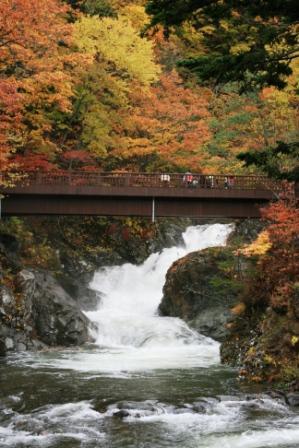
x: 139, y: 194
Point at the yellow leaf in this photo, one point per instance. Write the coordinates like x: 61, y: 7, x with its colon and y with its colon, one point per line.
x: 259, y: 247
x: 119, y: 43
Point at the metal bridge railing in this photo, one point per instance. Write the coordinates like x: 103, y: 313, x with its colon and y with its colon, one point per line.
x: 152, y: 180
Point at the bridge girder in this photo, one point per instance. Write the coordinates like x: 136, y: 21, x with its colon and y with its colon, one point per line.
x: 192, y: 207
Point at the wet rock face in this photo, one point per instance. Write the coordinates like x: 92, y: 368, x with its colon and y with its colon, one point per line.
x: 293, y: 399
x: 75, y: 278
x: 264, y: 345
x: 200, y: 288
x: 7, y: 320
x: 56, y: 316
x: 39, y: 313
x: 246, y: 230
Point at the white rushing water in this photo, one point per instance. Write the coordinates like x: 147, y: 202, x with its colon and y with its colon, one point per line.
x: 209, y: 423
x: 130, y: 333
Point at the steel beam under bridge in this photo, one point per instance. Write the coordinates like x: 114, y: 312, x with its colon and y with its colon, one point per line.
x: 211, y: 204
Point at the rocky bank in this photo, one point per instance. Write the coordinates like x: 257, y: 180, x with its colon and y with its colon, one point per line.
x: 39, y: 313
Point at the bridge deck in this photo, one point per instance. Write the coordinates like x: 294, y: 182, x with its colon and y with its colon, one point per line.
x: 130, y: 194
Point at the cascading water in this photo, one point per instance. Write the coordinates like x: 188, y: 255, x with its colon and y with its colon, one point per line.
x: 134, y: 336
x: 129, y: 333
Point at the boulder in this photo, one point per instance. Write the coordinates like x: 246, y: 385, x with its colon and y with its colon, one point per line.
x: 39, y: 313
x: 56, y: 317
x: 75, y: 278
x: 201, y: 288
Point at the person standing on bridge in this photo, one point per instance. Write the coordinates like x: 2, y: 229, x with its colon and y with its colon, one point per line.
x: 188, y: 178
x: 165, y: 179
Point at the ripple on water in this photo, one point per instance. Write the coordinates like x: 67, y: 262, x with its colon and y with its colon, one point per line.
x: 53, y: 425
x: 206, y: 423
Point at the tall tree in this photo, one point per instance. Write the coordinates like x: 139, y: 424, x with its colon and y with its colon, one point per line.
x: 118, y: 42
x: 36, y: 66
x: 121, y: 60
x: 278, y: 162
x: 250, y: 123
x: 170, y: 121
x: 251, y: 43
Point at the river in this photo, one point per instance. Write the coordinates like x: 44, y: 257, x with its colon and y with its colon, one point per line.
x: 146, y: 382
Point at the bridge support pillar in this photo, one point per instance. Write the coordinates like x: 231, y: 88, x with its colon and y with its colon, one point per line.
x: 153, y: 210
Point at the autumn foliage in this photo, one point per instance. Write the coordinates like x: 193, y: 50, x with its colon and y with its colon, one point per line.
x: 34, y: 81
x: 169, y: 120
x: 280, y: 266
x: 277, y: 252
x: 83, y: 87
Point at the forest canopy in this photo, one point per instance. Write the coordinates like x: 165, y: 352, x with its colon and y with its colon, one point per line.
x: 83, y: 86
x: 252, y: 43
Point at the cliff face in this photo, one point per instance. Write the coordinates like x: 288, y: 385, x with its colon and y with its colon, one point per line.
x: 264, y: 334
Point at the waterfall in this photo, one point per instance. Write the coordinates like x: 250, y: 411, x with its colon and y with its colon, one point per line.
x: 130, y: 333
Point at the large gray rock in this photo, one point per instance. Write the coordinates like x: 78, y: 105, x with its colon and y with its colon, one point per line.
x: 201, y: 288
x: 39, y: 313
x: 212, y: 321
x: 56, y: 317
